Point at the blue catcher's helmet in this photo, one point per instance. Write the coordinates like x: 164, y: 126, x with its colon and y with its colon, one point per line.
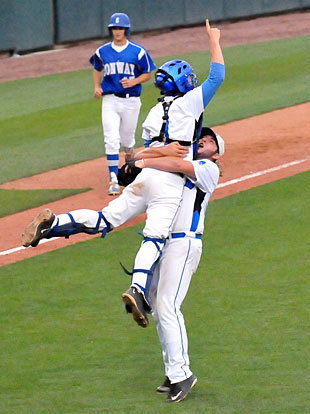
x: 120, y: 20
x: 175, y: 76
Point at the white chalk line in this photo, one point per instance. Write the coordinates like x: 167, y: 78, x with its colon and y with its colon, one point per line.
x: 227, y: 183
x: 257, y: 174
x: 16, y: 249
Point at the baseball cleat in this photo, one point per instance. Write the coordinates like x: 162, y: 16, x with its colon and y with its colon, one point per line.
x: 179, y: 390
x: 136, y: 304
x: 165, y: 386
x: 114, y: 186
x: 38, y: 228
x: 114, y: 189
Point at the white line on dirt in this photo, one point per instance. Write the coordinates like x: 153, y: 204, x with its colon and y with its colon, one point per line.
x: 257, y: 174
x: 231, y: 182
x: 16, y: 249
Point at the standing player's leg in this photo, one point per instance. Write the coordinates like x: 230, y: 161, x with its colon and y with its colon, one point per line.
x: 165, y: 387
x: 178, y: 263
x: 111, y: 129
x: 128, y: 124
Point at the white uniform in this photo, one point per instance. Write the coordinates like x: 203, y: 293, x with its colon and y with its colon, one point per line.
x: 120, y: 106
x: 156, y: 192
x: 179, y: 261
x: 182, y: 115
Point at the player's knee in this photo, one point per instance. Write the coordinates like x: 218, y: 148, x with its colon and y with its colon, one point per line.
x: 112, y: 147
x: 165, y: 308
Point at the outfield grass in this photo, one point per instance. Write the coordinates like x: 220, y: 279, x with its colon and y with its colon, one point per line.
x: 13, y: 201
x: 54, y: 121
x: 68, y: 346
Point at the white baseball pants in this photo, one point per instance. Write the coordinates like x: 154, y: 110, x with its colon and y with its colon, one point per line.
x: 155, y: 192
x: 119, y: 121
x: 170, y: 283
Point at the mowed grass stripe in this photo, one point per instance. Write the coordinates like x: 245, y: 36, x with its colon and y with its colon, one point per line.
x: 69, y: 347
x: 60, y: 108
x: 13, y: 201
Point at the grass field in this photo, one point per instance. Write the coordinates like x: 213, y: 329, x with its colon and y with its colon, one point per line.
x: 67, y: 345
x: 56, y: 121
x: 13, y: 201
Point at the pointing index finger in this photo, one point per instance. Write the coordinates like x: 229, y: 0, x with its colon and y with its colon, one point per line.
x: 207, y: 25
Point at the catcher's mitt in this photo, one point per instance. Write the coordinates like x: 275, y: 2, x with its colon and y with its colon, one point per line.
x: 127, y: 173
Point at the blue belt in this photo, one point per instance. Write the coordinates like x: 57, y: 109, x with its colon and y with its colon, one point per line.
x: 181, y: 235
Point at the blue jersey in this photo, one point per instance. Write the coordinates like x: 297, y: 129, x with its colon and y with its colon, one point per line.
x: 129, y: 63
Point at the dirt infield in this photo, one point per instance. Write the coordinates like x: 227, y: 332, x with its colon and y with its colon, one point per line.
x: 252, y: 145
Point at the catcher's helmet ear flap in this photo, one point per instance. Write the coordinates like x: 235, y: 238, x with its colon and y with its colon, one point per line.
x: 120, y: 20
x: 165, y: 83
x: 180, y: 72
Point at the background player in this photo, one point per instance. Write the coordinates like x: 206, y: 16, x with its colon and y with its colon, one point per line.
x: 125, y: 65
x: 180, y: 259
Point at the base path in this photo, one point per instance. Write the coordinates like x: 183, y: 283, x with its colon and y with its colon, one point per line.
x: 275, y: 145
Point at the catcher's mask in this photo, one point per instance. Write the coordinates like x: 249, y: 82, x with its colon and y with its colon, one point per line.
x: 120, y: 20
x: 175, y: 76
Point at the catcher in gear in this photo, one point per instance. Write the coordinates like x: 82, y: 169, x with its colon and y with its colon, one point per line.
x: 158, y: 193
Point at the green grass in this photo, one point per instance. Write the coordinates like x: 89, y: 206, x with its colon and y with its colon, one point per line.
x: 67, y: 345
x: 57, y: 115
x: 13, y: 201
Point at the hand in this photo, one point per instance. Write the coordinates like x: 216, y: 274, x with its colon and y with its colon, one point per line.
x: 98, y: 93
x: 175, y: 150
x: 128, y: 83
x: 214, y: 34
x: 140, y: 163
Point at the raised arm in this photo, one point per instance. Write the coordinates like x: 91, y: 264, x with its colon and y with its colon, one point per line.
x: 217, y: 69
x: 214, y: 35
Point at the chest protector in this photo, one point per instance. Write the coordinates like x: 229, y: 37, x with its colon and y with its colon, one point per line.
x: 163, y: 131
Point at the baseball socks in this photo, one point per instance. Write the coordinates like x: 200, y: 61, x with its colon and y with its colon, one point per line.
x: 113, y: 162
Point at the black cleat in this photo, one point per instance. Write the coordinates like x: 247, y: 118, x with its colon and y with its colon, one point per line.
x: 165, y: 386
x: 38, y: 228
x: 179, y: 390
x: 137, y: 305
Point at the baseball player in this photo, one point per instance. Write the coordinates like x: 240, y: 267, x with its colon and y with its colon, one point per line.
x: 180, y: 258
x: 172, y: 119
x: 159, y: 193
x: 125, y: 66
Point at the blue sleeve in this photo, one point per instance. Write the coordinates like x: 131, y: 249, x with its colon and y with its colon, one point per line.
x: 147, y: 143
x: 96, y: 62
x: 214, y: 81
x: 146, y: 63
